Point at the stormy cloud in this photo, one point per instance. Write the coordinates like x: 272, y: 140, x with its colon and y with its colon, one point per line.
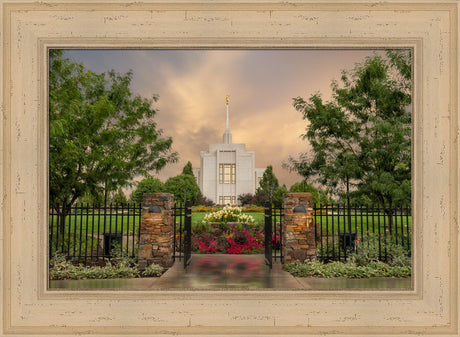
x: 192, y: 86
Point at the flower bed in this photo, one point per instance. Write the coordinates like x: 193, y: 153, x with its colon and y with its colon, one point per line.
x: 227, y: 231
x: 233, y: 238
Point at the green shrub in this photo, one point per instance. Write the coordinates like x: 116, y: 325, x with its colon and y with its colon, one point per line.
x: 349, y: 269
x: 398, y: 255
x: 72, y: 243
x: 121, y: 258
x: 153, y: 270
x: 201, y: 227
x: 60, y: 269
x: 369, y: 250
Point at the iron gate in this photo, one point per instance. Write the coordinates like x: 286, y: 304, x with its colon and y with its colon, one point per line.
x: 188, y: 234
x: 182, y: 219
x: 273, y: 234
x: 268, y: 235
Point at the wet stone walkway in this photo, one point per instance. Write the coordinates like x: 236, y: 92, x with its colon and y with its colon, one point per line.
x: 217, y: 271
x: 227, y: 271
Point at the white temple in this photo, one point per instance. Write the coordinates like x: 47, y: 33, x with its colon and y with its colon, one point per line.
x: 227, y: 170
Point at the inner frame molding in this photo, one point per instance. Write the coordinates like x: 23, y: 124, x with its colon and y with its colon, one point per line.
x: 30, y: 29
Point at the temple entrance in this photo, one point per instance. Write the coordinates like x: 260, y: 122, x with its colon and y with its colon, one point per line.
x: 229, y: 237
x: 169, y: 236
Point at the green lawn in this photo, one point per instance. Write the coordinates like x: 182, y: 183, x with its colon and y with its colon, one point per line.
x: 95, y: 224
x: 330, y: 223
x: 361, y: 223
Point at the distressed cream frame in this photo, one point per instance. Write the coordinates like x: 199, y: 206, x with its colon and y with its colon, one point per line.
x: 29, y: 28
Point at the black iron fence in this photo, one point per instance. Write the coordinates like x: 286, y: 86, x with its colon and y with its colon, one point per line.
x: 90, y: 233
x: 273, y: 234
x: 277, y: 233
x: 341, y: 229
x: 179, y: 229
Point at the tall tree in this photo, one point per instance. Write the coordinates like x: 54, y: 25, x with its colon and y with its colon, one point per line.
x: 361, y: 139
x: 268, y: 184
x: 100, y: 134
x: 318, y: 196
x: 188, y: 169
x: 147, y: 185
x: 184, y: 187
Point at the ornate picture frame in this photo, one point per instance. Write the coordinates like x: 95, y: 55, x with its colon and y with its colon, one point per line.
x: 30, y: 29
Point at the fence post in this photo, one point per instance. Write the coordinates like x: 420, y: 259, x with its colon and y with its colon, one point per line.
x: 156, y: 230
x: 298, y: 227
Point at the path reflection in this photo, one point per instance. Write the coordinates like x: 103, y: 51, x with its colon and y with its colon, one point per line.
x: 221, y: 271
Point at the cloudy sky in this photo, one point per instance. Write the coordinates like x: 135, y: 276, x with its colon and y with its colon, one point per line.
x: 192, y: 86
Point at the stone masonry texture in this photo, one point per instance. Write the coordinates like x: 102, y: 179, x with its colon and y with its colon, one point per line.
x: 298, y: 228
x: 157, y: 231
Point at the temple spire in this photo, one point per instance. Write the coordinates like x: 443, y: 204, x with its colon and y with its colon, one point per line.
x: 227, y: 125
x: 227, y: 137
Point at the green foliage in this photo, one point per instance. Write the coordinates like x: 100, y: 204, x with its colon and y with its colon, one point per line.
x: 182, y: 186
x: 257, y: 199
x: 147, y: 185
x: 60, y: 269
x: 245, y: 199
x: 318, y: 196
x: 202, y: 226
x: 348, y: 270
x: 119, y: 197
x: 101, y: 135
x: 71, y: 242
x: 202, y: 200
x: 278, y: 195
x: 153, y: 270
x: 361, y: 139
x: 269, y: 182
x: 188, y: 169
x: 369, y: 250
x: 95, y: 198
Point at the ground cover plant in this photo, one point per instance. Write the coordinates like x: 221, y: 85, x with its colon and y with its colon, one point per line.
x: 348, y: 269
x: 62, y: 269
x: 118, y: 267
x: 362, y: 262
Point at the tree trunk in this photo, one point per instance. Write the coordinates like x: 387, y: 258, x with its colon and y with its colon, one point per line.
x: 62, y: 213
x: 389, y: 212
x: 105, y: 193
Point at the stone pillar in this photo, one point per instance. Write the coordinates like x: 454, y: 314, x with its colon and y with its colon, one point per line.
x: 298, y: 227
x: 156, y: 230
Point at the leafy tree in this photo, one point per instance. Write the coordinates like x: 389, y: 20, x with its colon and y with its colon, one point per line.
x: 268, y: 184
x: 147, y: 185
x: 100, y: 135
x: 246, y: 199
x: 183, y: 186
x: 260, y: 198
x: 318, y: 196
x: 202, y: 200
x: 361, y: 138
x: 188, y: 169
x: 119, y: 197
x: 91, y: 198
x: 278, y: 195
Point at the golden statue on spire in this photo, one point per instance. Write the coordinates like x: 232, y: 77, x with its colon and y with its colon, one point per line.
x: 227, y: 99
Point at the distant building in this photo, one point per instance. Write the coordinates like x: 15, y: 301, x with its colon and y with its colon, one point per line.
x: 227, y: 170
